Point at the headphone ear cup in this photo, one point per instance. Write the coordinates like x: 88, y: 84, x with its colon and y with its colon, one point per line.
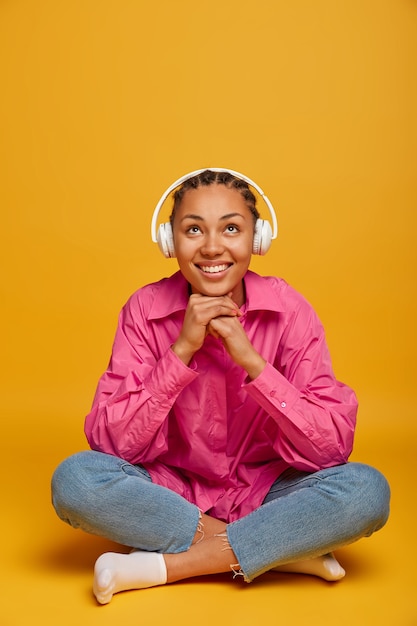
x: 262, y: 237
x: 165, y: 240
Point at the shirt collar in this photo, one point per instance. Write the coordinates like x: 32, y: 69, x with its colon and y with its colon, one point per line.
x: 173, y: 294
x: 261, y: 294
x: 170, y: 297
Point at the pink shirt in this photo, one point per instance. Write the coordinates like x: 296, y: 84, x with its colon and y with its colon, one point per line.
x: 206, y: 431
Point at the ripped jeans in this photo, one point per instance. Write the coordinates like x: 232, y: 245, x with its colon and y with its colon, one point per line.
x: 303, y: 515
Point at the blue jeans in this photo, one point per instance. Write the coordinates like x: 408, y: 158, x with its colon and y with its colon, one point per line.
x: 303, y: 515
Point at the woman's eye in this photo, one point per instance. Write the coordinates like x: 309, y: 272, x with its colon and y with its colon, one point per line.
x: 232, y: 228
x: 193, y: 230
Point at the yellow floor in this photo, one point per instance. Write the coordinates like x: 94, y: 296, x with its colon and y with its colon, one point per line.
x: 46, y: 570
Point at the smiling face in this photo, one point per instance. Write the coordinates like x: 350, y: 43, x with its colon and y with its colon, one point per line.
x: 213, y: 232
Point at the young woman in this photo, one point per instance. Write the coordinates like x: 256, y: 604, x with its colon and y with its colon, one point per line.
x: 220, y: 437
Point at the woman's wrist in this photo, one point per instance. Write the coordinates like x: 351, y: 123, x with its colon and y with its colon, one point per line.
x: 183, y: 353
x: 255, y: 366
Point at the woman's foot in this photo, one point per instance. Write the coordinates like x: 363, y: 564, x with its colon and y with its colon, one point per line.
x: 115, y: 572
x: 325, y: 566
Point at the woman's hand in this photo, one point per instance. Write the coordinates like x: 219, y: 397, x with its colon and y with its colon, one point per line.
x: 218, y: 316
x: 232, y: 334
x: 201, y: 310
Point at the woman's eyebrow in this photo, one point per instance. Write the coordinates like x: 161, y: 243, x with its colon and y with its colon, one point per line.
x: 190, y: 216
x: 228, y: 216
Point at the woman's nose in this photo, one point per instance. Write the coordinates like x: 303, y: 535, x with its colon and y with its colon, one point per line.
x: 212, y: 245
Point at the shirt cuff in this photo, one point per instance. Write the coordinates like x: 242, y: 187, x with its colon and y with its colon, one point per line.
x: 169, y: 376
x: 272, y: 391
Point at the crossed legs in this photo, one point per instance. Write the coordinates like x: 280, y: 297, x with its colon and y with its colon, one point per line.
x: 173, y: 541
x: 209, y: 555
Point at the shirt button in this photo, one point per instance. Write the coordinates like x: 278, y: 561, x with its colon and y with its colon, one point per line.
x: 283, y: 405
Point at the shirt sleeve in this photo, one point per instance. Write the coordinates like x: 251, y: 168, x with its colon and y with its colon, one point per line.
x: 135, y: 395
x: 315, y: 413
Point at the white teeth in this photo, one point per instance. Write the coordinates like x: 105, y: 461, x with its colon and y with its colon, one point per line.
x: 213, y: 269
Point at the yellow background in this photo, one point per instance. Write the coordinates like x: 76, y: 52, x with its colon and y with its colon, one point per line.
x: 102, y: 105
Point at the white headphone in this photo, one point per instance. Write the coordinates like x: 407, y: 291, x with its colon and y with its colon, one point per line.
x: 263, y: 232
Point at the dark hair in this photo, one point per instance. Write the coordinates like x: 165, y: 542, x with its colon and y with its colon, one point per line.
x: 208, y: 177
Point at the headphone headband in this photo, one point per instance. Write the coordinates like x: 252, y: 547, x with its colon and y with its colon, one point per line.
x: 186, y: 177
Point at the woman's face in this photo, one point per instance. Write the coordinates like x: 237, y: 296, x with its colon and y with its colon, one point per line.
x: 213, y: 236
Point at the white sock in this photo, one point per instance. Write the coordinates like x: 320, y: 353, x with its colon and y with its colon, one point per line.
x: 325, y: 566
x: 115, y: 572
